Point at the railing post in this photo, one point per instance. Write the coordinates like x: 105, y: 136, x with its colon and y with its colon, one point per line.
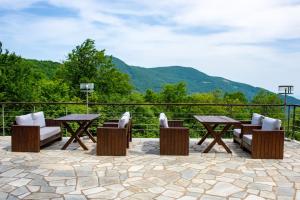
x: 288, y: 118
x: 3, y: 121
x: 294, y: 121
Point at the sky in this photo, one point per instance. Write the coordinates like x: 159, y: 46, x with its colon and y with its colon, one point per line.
x: 251, y: 41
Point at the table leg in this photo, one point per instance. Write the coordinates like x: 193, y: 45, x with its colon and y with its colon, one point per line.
x: 85, y: 129
x: 217, y: 138
x: 74, y: 135
x: 207, y: 134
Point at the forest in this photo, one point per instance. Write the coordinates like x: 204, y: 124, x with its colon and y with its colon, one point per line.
x: 25, y: 80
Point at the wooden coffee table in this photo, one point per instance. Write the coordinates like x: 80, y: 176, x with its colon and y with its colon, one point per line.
x: 211, y: 123
x: 84, y: 121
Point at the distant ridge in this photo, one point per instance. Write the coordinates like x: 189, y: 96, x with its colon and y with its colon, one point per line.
x: 154, y: 78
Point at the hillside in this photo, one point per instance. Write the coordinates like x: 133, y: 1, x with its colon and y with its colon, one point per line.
x: 155, y: 78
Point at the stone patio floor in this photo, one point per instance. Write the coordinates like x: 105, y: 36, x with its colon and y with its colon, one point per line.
x: 144, y: 174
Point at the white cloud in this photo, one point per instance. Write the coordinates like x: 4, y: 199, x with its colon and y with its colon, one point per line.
x: 169, y: 32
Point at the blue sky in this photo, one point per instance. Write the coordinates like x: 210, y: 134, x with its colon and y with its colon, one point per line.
x: 252, y: 41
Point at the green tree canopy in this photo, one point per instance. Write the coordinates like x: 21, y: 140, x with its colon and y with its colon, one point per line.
x: 235, y: 97
x: 174, y: 93
x: 18, y: 80
x: 86, y: 64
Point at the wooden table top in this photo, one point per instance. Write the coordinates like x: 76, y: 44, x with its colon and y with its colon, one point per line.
x: 78, y: 117
x: 215, y: 119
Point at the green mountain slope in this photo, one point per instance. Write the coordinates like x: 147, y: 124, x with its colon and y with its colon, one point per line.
x: 155, y: 78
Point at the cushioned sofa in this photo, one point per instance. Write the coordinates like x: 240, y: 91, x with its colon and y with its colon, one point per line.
x: 267, y: 142
x: 32, y: 131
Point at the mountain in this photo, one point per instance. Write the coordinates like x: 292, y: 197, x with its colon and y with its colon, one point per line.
x: 154, y: 78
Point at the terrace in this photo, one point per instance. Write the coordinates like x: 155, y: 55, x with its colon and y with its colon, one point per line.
x: 143, y: 173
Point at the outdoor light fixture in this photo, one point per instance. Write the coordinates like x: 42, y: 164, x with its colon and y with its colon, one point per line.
x: 285, y: 89
x: 88, y: 88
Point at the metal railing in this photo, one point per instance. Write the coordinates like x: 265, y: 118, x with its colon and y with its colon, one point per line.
x: 145, y: 115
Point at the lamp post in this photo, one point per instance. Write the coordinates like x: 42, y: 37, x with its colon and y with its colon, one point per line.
x: 285, y: 90
x: 87, y: 87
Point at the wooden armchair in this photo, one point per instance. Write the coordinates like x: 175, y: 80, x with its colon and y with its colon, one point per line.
x: 114, y: 123
x: 174, y: 139
x: 30, y: 138
x: 111, y: 140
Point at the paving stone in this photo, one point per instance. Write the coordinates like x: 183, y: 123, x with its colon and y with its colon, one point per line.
x: 33, y: 188
x: 65, y: 189
x: 254, y: 197
x: 87, y: 182
x: 93, y: 190
x: 156, y: 190
x: 74, y: 197
x: 11, y: 172
x: 19, y: 191
x: 108, y: 194
x: 224, y: 189
x: 20, y: 182
x: 43, y: 195
x: 172, y: 193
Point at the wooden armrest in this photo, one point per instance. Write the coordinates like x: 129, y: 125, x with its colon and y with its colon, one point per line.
x: 259, y: 131
x: 248, y: 128
x: 175, y: 123
x: 25, y: 138
x: 111, y: 130
x: 110, y: 124
x: 267, y: 144
x: 174, y: 128
x: 245, y: 121
x: 52, y: 122
x: 112, y: 120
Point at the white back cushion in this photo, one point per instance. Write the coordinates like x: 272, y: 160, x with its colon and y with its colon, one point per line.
x: 126, y: 113
x: 39, y: 119
x: 24, y: 119
x: 163, y: 120
x: 123, y: 121
x: 257, y: 119
x: 270, y: 124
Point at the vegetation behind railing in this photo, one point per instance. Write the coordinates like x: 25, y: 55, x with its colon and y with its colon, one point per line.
x: 145, y: 115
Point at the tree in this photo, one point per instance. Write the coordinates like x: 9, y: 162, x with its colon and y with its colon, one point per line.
x: 235, y: 97
x: 265, y: 97
x: 18, y: 80
x: 86, y: 64
x: 174, y: 93
x: 150, y: 96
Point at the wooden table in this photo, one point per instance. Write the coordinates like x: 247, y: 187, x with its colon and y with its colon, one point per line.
x: 211, y: 123
x: 84, y: 121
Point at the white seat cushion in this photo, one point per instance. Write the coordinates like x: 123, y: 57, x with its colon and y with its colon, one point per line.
x: 247, y: 139
x: 24, y: 120
x: 47, y: 132
x: 39, y: 119
x: 123, y: 121
x: 270, y: 124
x: 237, y: 132
x: 257, y: 119
x: 163, y: 120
